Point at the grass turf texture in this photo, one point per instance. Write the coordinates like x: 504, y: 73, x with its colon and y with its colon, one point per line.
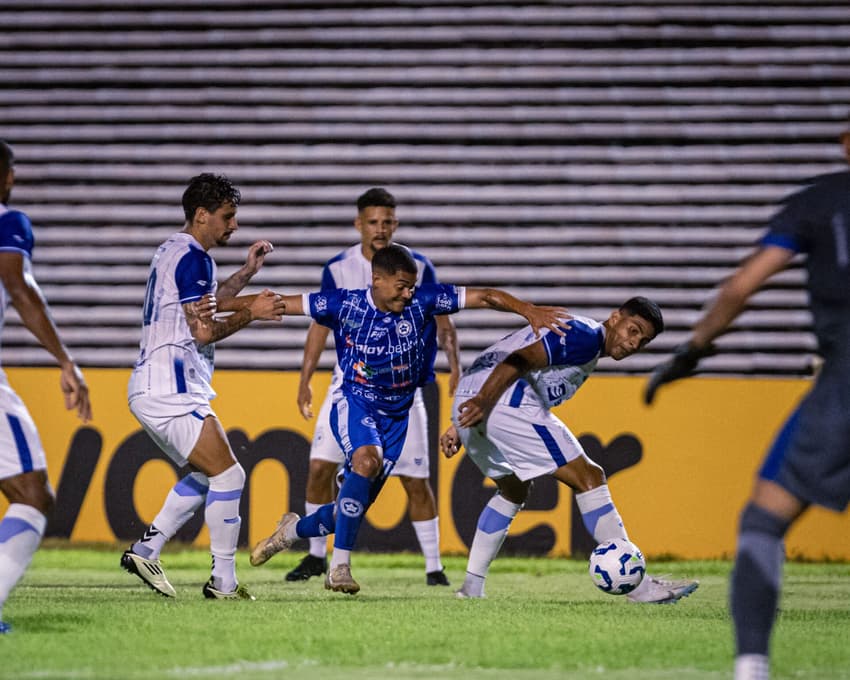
x: 76, y: 614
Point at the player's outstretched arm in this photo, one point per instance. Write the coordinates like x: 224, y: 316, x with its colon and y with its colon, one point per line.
x: 253, y: 263
x: 553, y: 318
x: 265, y: 306
x: 31, y: 306
x: 514, y: 366
x: 729, y: 303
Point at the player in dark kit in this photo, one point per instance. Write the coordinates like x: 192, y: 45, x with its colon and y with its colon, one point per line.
x: 809, y: 463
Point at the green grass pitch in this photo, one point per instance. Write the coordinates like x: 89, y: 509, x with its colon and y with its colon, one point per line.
x: 76, y: 614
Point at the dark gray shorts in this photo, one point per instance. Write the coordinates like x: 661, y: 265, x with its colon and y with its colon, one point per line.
x: 811, y: 455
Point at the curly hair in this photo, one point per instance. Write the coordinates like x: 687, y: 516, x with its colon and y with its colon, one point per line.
x: 210, y: 192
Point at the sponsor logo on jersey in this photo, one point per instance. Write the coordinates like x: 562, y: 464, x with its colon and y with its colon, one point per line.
x: 363, y: 370
x: 320, y: 302
x: 377, y: 333
x: 444, y: 302
x: 368, y: 421
x: 403, y: 328
x: 350, y: 507
x: 201, y: 282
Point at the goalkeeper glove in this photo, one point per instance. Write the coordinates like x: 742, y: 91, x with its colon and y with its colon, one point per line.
x: 682, y: 364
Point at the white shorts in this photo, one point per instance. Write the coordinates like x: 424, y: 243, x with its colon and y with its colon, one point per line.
x: 526, y: 440
x: 20, y: 446
x: 174, y: 422
x: 413, y: 461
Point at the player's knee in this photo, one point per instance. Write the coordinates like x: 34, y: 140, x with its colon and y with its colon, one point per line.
x: 366, y: 463
x: 232, y: 478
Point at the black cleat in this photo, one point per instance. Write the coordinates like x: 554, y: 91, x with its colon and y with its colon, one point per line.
x: 436, y: 578
x: 309, y: 566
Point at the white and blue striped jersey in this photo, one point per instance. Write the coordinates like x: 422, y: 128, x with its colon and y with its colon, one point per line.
x: 571, y: 357
x: 383, y: 356
x: 170, y: 360
x: 351, y: 270
x: 15, y: 236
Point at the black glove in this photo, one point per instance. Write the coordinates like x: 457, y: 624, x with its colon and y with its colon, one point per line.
x: 682, y: 364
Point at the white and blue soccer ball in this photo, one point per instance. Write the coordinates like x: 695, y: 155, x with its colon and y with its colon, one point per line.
x: 617, y: 566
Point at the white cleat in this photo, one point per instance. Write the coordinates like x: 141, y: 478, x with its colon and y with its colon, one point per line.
x: 657, y: 590
x: 462, y: 594
x: 150, y: 571
x: 277, y: 542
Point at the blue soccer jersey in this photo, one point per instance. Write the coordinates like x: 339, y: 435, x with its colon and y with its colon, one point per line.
x: 383, y: 356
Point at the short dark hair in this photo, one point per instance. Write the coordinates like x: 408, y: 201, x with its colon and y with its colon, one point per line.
x: 210, y: 192
x: 393, y: 258
x: 646, y: 308
x: 376, y: 197
x: 7, y: 158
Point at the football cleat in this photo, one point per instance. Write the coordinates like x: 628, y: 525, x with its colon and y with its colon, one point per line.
x: 5, y: 628
x: 464, y: 595
x: 275, y: 543
x: 436, y: 578
x: 241, y: 593
x: 150, y: 571
x: 309, y: 566
x: 339, y: 580
x: 658, y: 590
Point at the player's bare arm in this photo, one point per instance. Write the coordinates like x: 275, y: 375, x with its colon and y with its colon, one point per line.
x: 265, y: 306
x: 553, y: 318
x: 313, y: 346
x: 31, y: 306
x: 447, y: 341
x: 475, y: 410
x: 253, y: 263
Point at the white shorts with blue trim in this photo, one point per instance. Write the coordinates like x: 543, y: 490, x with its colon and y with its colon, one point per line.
x: 413, y: 461
x: 520, y: 437
x: 20, y: 446
x: 174, y: 422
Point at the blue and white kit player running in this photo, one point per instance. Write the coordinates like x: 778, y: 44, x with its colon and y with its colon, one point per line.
x: 23, y: 465
x: 381, y: 349
x: 169, y: 389
x: 511, y: 388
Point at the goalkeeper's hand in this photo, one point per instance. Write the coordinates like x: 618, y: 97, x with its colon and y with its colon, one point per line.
x: 682, y: 364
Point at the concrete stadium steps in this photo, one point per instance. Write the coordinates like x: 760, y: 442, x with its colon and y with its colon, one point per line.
x: 574, y: 153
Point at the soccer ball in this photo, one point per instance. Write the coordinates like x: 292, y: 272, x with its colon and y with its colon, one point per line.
x: 617, y: 567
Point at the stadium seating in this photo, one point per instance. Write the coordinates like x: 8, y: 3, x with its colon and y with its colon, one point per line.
x: 574, y: 153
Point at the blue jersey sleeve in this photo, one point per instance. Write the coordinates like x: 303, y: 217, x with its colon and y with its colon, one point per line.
x: 325, y: 306
x: 429, y: 274
x: 790, y: 227
x: 581, y: 344
x: 328, y: 282
x: 194, y: 275
x: 440, y: 298
x: 16, y: 233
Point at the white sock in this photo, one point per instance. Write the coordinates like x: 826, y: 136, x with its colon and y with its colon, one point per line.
x: 428, y: 533
x: 600, y: 515
x: 20, y: 533
x: 223, y: 520
x: 752, y: 667
x: 180, y: 505
x: 493, y: 524
x: 318, y: 544
x: 340, y: 556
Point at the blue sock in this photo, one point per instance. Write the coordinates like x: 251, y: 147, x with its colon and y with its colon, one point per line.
x: 320, y: 523
x: 352, y: 503
x: 757, y: 578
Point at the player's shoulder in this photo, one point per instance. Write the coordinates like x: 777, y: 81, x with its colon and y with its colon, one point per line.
x: 16, y: 231
x: 349, y: 253
x: 584, y: 333
x: 817, y: 187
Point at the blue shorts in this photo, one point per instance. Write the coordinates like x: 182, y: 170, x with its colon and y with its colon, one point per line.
x: 355, y: 423
x: 811, y: 455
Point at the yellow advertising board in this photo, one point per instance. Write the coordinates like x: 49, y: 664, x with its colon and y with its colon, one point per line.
x: 679, y: 472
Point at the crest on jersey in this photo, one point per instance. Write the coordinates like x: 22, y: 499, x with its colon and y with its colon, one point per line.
x: 403, y: 328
